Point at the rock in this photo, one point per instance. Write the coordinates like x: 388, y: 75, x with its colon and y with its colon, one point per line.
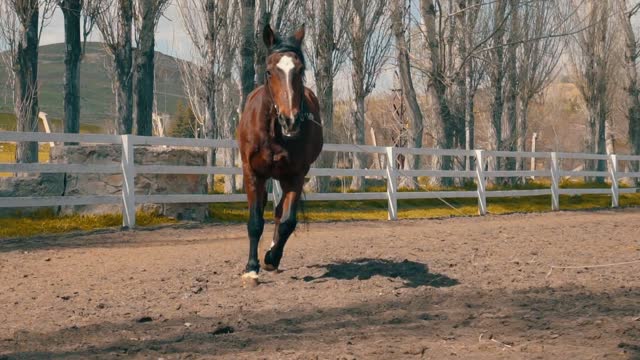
x: 33, y: 185
x: 146, y: 184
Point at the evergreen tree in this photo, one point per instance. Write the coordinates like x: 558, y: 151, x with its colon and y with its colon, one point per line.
x: 184, y: 122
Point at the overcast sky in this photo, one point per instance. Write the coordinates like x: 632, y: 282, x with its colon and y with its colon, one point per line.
x: 170, y: 37
x: 172, y: 40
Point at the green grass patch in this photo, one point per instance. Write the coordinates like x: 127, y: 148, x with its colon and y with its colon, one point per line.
x: 46, y: 223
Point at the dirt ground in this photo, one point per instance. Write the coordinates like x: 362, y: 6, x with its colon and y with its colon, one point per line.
x: 465, y: 288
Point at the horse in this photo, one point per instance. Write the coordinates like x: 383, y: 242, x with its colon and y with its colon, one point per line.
x: 279, y: 136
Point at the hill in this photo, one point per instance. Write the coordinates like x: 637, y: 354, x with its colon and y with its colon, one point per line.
x: 97, y: 99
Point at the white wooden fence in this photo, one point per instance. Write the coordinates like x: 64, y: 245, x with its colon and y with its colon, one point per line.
x: 390, y: 173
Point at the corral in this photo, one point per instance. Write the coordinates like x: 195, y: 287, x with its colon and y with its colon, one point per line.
x: 482, y: 288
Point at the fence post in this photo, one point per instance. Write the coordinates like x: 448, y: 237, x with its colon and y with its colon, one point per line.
x: 482, y: 183
x: 392, y: 183
x: 555, y: 182
x: 613, y: 173
x: 128, y: 184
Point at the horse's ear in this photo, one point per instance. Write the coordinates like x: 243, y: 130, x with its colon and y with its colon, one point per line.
x: 269, y: 36
x: 299, y: 35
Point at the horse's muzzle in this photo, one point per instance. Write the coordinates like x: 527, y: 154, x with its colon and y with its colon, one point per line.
x: 290, y: 126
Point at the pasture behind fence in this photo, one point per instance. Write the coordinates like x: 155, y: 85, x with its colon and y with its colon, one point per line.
x: 390, y: 173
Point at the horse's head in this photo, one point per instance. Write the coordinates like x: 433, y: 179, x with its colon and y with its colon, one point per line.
x: 285, y: 79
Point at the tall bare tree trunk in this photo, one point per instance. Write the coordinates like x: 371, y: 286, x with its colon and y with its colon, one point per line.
x: 72, y: 9
x: 145, y: 69
x: 509, y: 129
x: 229, y: 113
x: 632, y: 87
x: 211, y: 124
x: 324, y: 84
x: 358, y: 137
x: 469, y: 118
x: 469, y: 18
x: 521, y: 139
x: 261, y: 49
x: 247, y: 49
x: 415, y: 131
x: 123, y: 59
x: 497, y: 77
x: 358, y: 79
x: 26, y: 84
x: 436, y: 93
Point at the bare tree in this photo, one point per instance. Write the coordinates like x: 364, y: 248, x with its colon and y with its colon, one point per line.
x: 147, y: 15
x: 497, y: 72
x: 592, y: 59
x: 434, y: 68
x: 415, y: 129
x: 284, y: 16
x: 114, y: 19
x: 20, y: 30
x: 326, y: 45
x: 632, y: 87
x: 510, y: 113
x: 206, y: 23
x: 247, y: 49
x: 369, y: 40
x: 473, y: 31
x: 229, y: 99
x: 538, y: 57
x: 75, y: 30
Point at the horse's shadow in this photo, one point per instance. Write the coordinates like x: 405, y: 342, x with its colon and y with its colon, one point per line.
x: 413, y: 273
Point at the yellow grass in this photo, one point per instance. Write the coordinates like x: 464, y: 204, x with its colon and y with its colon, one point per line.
x: 314, y: 211
x: 421, y: 209
x: 8, y: 155
x: 46, y: 223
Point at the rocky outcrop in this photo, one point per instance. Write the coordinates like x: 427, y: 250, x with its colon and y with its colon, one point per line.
x: 32, y: 185
x: 111, y: 184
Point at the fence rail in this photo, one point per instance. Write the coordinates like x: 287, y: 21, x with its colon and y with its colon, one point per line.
x: 129, y: 199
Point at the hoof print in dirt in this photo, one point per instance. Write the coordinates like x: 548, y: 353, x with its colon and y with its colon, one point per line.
x: 144, y: 319
x: 222, y: 330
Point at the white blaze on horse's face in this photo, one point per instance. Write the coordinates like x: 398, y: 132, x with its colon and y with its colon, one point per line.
x: 287, y: 65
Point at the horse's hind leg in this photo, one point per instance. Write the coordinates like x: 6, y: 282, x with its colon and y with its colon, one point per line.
x: 256, y: 196
x: 286, y: 221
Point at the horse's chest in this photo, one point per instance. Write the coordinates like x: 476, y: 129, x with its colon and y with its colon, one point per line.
x: 274, y: 161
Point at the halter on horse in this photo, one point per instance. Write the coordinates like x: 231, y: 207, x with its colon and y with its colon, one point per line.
x: 279, y: 136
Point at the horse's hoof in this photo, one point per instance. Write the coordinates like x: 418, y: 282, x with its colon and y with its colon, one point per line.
x: 250, y: 279
x: 269, y: 264
x: 269, y: 267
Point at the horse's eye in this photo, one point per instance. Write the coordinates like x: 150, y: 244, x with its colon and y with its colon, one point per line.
x: 268, y: 73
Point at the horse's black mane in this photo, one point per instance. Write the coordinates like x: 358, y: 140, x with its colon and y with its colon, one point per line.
x: 288, y: 45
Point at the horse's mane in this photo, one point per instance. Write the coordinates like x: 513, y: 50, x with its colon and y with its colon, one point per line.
x: 288, y: 45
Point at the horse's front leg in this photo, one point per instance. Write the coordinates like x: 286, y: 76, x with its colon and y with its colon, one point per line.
x: 286, y: 221
x: 257, y: 199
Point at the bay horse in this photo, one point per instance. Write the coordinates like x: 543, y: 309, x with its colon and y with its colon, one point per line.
x: 279, y: 136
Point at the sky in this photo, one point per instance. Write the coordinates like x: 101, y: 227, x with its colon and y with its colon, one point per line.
x: 172, y: 40
x: 170, y: 36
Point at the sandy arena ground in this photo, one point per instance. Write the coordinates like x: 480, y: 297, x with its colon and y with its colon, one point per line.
x: 465, y: 288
